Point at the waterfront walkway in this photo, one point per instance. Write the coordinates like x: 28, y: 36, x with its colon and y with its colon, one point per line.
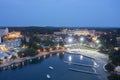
x: 5, y: 64
x: 100, y: 59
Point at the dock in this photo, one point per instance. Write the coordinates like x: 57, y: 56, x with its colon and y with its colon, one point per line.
x: 79, y: 64
x: 88, y: 72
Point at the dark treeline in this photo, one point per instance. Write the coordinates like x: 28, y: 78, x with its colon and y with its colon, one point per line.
x: 50, y: 30
x: 35, y: 30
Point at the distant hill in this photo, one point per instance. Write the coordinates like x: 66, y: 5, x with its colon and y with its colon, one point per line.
x: 50, y: 29
x: 41, y: 30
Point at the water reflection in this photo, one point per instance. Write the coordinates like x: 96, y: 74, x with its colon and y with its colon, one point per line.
x: 69, y: 58
x: 50, y: 54
x: 57, y: 54
x: 61, y: 56
x: 40, y: 70
x: 81, y: 57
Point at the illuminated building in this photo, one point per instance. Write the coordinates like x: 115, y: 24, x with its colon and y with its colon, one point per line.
x: 78, y: 32
x: 13, y: 35
x: 118, y: 41
x: 12, y: 43
x: 12, y: 39
x: 94, y: 38
x: 3, y: 48
x: 84, y: 32
x: 4, y: 57
x: 4, y: 31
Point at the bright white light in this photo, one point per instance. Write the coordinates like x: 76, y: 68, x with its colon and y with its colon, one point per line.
x: 95, y: 64
x: 97, y: 41
x: 70, y: 40
x: 82, y: 39
x: 70, y: 58
x: 81, y: 57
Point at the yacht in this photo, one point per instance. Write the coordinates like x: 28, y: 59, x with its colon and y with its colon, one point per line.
x: 50, y: 67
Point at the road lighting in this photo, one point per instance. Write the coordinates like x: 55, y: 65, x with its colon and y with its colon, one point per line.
x: 82, y: 39
x: 70, y: 40
x: 97, y: 41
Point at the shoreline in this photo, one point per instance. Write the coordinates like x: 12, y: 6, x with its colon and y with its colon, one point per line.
x: 100, y: 59
x: 19, y: 60
x: 87, y: 53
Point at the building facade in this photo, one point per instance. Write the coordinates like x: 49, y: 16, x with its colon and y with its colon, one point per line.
x: 4, y: 31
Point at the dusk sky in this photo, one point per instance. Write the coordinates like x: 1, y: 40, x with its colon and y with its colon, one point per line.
x: 82, y: 13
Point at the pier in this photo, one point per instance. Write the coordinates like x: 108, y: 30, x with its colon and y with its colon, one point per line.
x: 79, y: 64
x: 87, y: 72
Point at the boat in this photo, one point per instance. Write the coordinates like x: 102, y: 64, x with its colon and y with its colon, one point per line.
x: 48, y: 76
x: 50, y: 67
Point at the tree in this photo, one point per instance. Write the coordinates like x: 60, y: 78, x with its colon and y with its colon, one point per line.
x: 110, y: 67
x: 27, y: 52
x: 114, y: 76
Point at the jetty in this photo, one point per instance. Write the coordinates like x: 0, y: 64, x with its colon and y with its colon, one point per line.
x: 87, y: 72
x: 79, y: 64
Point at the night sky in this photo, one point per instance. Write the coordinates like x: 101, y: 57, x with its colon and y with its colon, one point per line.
x: 73, y: 13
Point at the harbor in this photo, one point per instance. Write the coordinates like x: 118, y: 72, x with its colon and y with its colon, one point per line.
x: 21, y: 60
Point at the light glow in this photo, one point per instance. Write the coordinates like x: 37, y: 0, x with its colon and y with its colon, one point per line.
x: 70, y: 58
x: 82, y: 39
x: 97, y: 41
x: 70, y: 40
x: 81, y: 57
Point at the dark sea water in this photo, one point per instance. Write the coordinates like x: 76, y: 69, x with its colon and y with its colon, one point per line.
x: 38, y: 70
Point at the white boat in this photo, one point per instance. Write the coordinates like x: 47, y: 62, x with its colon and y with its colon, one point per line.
x: 48, y: 76
x: 51, y: 67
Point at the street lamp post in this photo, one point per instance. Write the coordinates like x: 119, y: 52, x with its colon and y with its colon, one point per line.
x: 70, y: 41
x: 97, y: 43
x: 82, y: 40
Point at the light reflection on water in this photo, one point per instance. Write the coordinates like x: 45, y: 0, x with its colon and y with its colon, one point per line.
x: 70, y: 58
x: 39, y: 70
x: 81, y: 57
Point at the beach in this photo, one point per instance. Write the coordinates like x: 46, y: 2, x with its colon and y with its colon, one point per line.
x: 100, y: 58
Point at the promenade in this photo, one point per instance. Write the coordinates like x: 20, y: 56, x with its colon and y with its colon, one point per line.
x: 5, y: 64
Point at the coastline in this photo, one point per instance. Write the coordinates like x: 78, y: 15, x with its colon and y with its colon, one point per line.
x: 26, y: 58
x: 99, y: 58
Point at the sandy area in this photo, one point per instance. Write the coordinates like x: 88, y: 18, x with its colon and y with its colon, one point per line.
x: 101, y: 60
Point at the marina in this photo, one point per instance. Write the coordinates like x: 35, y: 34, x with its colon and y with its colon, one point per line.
x: 50, y: 67
x: 88, y: 72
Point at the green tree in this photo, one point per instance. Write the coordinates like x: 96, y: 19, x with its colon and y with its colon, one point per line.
x: 110, y: 67
x: 114, y: 76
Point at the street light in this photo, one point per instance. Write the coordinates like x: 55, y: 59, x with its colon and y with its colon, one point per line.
x: 82, y: 39
x: 70, y: 40
x: 97, y: 41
